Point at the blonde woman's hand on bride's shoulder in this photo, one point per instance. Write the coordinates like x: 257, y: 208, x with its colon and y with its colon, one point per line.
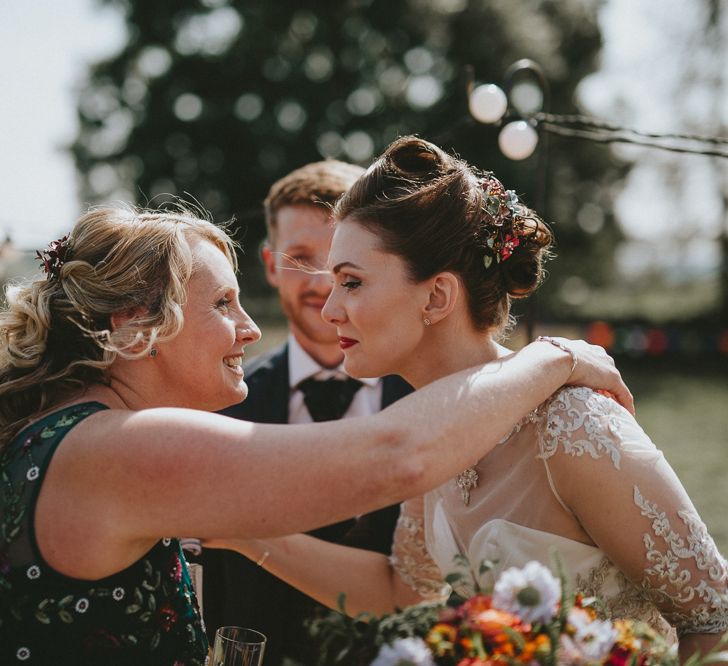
x: 593, y: 367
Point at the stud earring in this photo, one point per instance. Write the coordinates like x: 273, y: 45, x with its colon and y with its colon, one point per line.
x: 153, y: 352
x: 426, y: 322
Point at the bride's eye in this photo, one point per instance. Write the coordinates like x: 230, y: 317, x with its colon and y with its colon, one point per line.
x: 350, y: 285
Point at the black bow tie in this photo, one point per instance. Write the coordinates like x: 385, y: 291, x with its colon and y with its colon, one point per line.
x: 328, y: 399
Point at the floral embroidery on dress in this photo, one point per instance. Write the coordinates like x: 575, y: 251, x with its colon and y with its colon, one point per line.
x: 668, y: 580
x: 577, y: 408
x: 146, y: 611
x: 411, y: 560
x: 630, y: 602
x: 685, y: 579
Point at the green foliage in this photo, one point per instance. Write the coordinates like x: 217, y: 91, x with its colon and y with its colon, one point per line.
x: 356, y: 641
x: 218, y: 99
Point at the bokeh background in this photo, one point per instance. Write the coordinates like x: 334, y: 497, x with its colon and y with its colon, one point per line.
x: 212, y: 100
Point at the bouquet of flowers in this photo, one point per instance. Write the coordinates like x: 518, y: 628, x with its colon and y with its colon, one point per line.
x: 527, y: 619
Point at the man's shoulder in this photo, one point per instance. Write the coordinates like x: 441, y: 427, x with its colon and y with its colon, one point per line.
x: 267, y: 363
x: 267, y: 379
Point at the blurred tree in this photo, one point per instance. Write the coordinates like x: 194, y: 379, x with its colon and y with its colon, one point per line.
x: 218, y: 99
x: 673, y: 207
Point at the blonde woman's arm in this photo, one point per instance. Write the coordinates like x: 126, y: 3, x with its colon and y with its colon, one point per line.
x: 123, y: 479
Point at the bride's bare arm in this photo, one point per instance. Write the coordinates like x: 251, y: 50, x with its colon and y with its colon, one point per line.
x: 142, y: 475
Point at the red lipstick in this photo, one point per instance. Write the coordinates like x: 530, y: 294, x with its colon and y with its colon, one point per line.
x: 345, y: 343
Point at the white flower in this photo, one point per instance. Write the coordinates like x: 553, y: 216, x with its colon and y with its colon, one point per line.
x: 591, y: 642
x: 23, y: 654
x: 33, y: 572
x: 404, y: 652
x: 118, y: 594
x: 532, y: 593
x: 32, y: 473
x: 82, y: 605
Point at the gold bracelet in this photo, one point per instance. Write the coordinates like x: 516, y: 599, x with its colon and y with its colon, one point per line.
x: 263, y: 558
x: 562, y: 347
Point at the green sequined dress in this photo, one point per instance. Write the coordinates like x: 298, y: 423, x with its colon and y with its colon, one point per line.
x: 145, y: 614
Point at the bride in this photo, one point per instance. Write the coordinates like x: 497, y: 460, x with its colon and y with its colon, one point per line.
x: 426, y: 257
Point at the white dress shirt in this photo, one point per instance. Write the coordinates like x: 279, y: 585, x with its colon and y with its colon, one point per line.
x: 367, y: 401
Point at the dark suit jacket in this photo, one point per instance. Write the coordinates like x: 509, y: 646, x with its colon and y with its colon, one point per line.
x: 238, y: 592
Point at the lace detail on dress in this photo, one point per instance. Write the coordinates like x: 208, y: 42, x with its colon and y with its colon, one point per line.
x: 411, y: 560
x: 574, y: 409
x: 669, y: 580
x: 630, y: 602
x: 531, y: 417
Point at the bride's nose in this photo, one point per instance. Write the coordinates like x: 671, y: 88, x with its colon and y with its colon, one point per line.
x: 332, y: 312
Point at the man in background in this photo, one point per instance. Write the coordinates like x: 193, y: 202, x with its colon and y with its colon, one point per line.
x: 300, y: 382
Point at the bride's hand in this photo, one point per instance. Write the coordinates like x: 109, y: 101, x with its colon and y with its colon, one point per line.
x: 594, y: 368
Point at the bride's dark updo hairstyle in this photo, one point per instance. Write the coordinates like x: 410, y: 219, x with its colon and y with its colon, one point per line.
x: 440, y: 214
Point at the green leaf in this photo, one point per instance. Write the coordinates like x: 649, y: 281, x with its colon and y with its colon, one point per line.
x: 453, y: 578
x: 516, y: 638
x: 486, y: 565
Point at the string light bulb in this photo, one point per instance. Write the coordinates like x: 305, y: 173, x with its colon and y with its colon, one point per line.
x: 488, y: 103
x: 517, y: 140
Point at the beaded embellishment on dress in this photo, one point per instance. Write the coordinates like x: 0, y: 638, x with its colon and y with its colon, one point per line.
x: 467, y: 480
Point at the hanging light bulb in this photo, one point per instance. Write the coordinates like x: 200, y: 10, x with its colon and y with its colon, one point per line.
x: 488, y: 103
x: 518, y: 140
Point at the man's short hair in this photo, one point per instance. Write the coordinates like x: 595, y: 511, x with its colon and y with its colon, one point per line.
x: 318, y: 184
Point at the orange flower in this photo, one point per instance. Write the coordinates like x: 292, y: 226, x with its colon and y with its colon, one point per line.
x: 474, y: 605
x: 491, y: 622
x: 538, y: 647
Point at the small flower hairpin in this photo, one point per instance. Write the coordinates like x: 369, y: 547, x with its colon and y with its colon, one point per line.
x: 502, y: 225
x: 54, y: 256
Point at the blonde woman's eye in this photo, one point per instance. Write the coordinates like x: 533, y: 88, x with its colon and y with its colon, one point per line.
x: 350, y: 285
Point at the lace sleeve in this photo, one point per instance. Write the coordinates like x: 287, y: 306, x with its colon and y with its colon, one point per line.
x: 410, y: 558
x: 631, y: 503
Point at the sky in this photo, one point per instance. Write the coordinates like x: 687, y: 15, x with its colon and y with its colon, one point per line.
x: 45, y: 48
x: 660, y: 72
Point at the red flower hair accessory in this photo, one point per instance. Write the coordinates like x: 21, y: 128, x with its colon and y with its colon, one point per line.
x: 54, y: 256
x: 502, y: 225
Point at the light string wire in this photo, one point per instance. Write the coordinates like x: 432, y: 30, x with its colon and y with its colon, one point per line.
x: 592, y: 129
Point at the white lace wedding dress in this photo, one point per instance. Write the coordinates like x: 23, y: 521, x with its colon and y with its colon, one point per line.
x: 578, y: 478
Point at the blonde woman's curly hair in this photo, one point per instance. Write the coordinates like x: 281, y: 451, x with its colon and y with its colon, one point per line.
x: 56, y: 336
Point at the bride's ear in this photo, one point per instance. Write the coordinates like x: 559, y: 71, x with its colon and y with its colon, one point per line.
x: 444, y: 292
